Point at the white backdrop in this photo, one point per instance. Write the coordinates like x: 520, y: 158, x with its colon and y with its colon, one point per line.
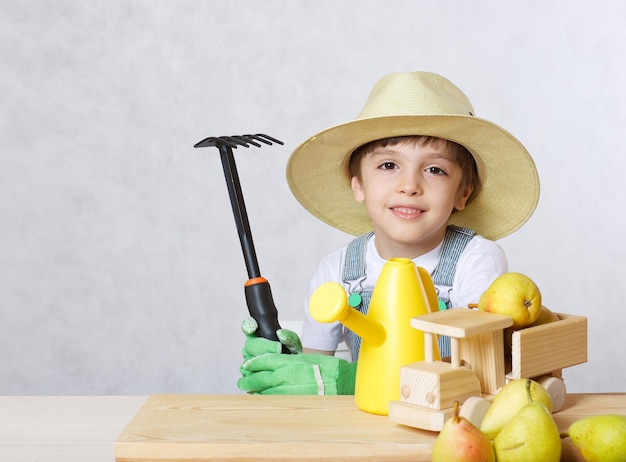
x: 121, y: 270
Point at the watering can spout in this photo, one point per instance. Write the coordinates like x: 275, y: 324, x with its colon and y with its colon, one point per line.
x: 329, y: 303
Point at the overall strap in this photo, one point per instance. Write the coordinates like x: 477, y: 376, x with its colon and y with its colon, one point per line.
x: 353, y: 276
x: 454, y: 243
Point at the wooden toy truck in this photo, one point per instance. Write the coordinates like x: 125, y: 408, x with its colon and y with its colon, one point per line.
x: 429, y: 388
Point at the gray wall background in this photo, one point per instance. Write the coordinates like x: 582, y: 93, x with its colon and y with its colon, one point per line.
x: 121, y: 270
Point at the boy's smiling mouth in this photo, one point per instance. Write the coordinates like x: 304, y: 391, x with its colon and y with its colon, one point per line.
x: 406, y: 212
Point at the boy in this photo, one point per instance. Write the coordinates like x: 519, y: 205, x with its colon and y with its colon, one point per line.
x: 416, y: 175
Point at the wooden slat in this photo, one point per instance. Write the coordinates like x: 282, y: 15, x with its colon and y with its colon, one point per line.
x: 460, y: 322
x: 484, y: 355
x: 419, y: 417
x: 542, y: 349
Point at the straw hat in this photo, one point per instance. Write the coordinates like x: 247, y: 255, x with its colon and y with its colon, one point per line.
x: 417, y: 103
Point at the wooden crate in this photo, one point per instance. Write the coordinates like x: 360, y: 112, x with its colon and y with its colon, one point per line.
x: 543, y: 349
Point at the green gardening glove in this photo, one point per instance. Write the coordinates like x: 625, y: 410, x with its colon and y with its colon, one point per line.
x: 256, y: 346
x: 268, y: 371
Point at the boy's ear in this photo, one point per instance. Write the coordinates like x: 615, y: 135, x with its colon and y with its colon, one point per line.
x: 357, y: 189
x: 462, y: 200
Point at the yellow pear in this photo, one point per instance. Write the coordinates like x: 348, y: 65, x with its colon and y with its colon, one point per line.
x: 545, y: 316
x: 515, y: 295
x: 531, y: 435
x: 461, y: 441
x: 509, y: 400
x: 599, y: 438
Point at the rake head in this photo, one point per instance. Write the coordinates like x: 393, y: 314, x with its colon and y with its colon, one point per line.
x: 237, y: 140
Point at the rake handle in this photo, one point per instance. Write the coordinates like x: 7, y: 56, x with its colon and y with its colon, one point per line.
x: 262, y: 308
x: 257, y: 289
x: 239, y: 211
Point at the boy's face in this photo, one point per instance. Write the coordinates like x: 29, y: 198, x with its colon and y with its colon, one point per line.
x: 410, y: 191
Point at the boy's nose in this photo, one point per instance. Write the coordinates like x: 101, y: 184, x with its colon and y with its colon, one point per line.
x: 409, y: 184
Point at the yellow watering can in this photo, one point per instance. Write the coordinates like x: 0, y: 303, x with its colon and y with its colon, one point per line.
x: 402, y: 292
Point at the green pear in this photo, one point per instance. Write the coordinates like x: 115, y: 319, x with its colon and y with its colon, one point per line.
x: 600, y: 437
x: 460, y: 441
x: 509, y: 400
x: 531, y: 435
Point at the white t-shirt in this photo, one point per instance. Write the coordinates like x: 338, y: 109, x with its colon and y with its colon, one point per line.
x: 481, y: 262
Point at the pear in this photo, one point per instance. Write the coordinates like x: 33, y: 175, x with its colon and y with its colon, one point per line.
x: 531, y: 435
x: 545, y: 317
x: 600, y: 437
x: 460, y: 441
x: 515, y: 295
x: 509, y: 400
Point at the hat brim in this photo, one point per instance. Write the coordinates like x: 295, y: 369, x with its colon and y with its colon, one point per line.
x: 316, y: 171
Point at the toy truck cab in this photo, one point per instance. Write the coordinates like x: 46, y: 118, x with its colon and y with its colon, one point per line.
x: 478, y: 367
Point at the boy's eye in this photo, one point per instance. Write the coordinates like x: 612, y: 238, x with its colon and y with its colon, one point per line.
x: 387, y: 166
x: 435, y: 171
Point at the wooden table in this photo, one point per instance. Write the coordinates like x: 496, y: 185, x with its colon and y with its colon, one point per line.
x: 224, y: 427
x: 256, y: 428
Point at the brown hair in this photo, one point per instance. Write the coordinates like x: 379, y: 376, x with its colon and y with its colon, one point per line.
x: 460, y: 155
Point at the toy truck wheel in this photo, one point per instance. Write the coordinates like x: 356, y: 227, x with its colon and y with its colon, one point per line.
x: 556, y: 389
x: 474, y: 409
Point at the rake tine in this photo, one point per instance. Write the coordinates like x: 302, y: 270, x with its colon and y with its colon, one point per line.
x: 235, y: 139
x: 205, y: 142
x: 214, y: 141
x: 267, y: 139
x: 250, y: 139
x: 256, y: 137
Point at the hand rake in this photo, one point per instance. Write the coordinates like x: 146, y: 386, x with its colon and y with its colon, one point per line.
x: 257, y: 289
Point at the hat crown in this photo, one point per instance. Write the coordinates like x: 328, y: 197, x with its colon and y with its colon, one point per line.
x: 415, y: 94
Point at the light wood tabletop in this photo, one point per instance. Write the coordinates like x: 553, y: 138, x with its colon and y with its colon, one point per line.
x: 251, y: 427
x: 225, y: 427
